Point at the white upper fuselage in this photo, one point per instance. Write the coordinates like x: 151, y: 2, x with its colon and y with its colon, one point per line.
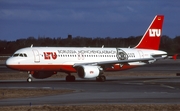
x: 63, y: 58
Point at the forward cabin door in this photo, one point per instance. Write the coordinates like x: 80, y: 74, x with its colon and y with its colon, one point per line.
x: 36, y: 56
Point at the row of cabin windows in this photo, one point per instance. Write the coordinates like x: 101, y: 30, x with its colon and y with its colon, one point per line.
x: 92, y: 55
x: 87, y: 55
x: 25, y: 55
x: 131, y: 55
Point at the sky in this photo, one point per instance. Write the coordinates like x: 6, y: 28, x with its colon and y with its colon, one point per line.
x: 86, y: 18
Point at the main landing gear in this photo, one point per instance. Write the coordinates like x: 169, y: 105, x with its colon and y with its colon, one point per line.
x: 101, y: 78
x: 70, y: 78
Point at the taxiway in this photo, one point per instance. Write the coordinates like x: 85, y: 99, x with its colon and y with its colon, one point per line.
x: 116, y: 90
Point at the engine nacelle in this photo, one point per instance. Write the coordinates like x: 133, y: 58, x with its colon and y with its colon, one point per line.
x: 42, y: 75
x: 88, y: 71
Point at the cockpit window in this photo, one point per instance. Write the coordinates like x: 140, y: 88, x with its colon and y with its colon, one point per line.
x: 25, y: 55
x: 15, y: 55
x: 20, y: 55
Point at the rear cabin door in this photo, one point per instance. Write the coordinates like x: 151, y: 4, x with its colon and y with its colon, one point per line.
x: 36, y: 56
x: 141, y: 55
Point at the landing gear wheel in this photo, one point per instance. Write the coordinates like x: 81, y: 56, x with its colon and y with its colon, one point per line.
x: 29, y: 79
x: 70, y: 78
x: 98, y: 78
x: 101, y: 78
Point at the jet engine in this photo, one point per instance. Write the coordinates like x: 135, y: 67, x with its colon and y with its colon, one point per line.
x: 88, y: 71
x: 42, y: 75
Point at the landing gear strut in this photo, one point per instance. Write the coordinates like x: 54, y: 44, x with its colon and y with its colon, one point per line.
x: 101, y: 78
x: 29, y: 79
x: 70, y: 78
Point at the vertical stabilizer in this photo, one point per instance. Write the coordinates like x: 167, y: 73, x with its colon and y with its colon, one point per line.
x: 152, y: 36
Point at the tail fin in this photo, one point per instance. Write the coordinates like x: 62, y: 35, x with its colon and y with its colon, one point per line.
x: 151, y: 38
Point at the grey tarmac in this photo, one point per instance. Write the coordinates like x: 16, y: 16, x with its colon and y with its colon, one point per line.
x: 116, y: 90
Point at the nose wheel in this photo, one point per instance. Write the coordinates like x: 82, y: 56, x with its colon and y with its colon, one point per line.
x: 29, y: 79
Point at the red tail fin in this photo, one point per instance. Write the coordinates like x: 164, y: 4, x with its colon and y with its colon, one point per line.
x: 151, y: 38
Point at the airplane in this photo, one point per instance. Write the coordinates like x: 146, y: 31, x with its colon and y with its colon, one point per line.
x: 89, y: 62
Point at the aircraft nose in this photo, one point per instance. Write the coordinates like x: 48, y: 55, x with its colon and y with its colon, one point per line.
x: 9, y: 63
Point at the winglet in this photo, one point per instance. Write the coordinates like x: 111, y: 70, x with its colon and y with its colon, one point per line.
x: 151, y: 38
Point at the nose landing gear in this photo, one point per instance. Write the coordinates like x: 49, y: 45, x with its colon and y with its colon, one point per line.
x: 29, y: 79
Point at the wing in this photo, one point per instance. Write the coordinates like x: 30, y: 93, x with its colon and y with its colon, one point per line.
x: 104, y: 63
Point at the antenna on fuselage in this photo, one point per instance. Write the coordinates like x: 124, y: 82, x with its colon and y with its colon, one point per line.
x: 31, y: 45
x: 102, y: 46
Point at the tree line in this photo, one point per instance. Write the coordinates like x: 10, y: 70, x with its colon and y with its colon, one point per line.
x: 170, y: 45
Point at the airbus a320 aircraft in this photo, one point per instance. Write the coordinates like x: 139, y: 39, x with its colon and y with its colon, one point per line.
x: 43, y: 62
